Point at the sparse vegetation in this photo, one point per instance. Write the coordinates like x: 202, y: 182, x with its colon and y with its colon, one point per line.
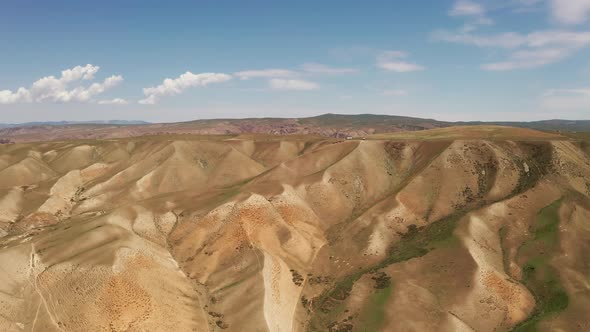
x: 382, y: 280
x: 535, y: 166
x: 416, y: 243
x: 315, y: 280
x: 538, y: 274
x: 297, y: 278
x: 373, y: 315
x: 221, y: 324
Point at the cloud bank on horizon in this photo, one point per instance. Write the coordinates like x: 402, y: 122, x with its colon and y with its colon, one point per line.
x: 439, y: 73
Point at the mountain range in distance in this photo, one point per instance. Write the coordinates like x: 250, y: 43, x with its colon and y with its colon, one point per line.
x: 65, y: 123
x: 327, y: 125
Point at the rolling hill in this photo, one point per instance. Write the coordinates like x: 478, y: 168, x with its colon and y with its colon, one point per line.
x: 451, y: 229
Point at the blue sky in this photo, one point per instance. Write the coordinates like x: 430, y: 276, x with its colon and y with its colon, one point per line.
x: 182, y: 60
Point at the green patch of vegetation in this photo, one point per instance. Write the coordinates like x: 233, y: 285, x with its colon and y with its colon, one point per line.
x: 430, y: 199
x: 538, y: 275
x: 546, y: 228
x: 417, y: 242
x: 424, y: 239
x: 306, y: 147
x: 373, y: 315
x: 538, y: 164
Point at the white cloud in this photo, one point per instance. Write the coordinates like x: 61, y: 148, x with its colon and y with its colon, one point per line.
x: 265, y: 73
x: 318, y: 68
x: 170, y: 87
x: 21, y: 95
x: 82, y: 94
x: 396, y: 92
x: 566, y: 99
x: 475, y: 12
x: 86, y: 73
x: 276, y: 73
x: 504, y: 40
x: 570, y: 11
x: 466, y: 8
x: 300, y: 85
x: 392, y: 61
x: 529, y: 59
x: 52, y: 89
x: 400, y: 66
x: 531, y: 50
x: 149, y: 100
x: 116, y: 101
x: 558, y: 37
x: 514, y: 40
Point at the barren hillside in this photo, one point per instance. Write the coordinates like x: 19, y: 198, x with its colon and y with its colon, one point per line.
x: 473, y: 229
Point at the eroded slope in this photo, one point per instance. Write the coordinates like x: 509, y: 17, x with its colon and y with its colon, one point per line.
x: 262, y: 234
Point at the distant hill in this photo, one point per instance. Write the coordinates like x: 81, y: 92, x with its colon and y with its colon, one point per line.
x: 411, y: 123
x: 552, y: 125
x: 328, y: 125
x: 64, y: 123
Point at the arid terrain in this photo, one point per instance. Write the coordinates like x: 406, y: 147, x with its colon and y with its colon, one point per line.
x: 477, y: 228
